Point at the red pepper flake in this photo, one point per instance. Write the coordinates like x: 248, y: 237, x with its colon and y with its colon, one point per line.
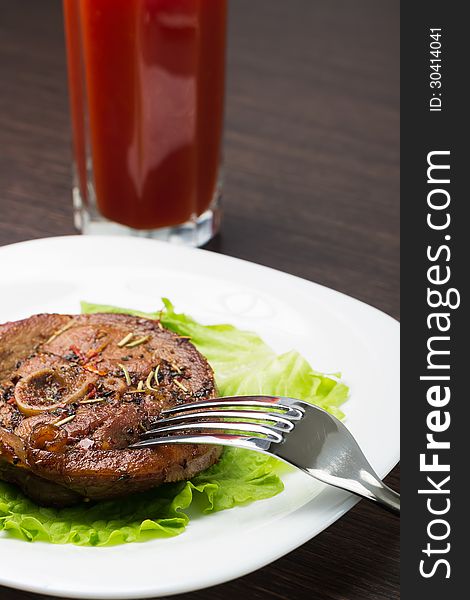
x: 77, y: 352
x: 92, y: 368
x: 92, y: 392
x: 11, y: 400
x: 95, y: 351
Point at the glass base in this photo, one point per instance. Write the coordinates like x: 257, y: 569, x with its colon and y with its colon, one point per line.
x: 196, y: 232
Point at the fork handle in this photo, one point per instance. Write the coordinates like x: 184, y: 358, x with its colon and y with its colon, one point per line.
x: 387, y: 498
x: 367, y: 486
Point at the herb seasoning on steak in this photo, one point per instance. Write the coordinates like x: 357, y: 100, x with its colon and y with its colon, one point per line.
x: 76, y: 391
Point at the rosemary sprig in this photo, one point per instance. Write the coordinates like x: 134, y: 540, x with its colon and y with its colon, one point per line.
x: 181, y: 386
x: 148, y: 382
x: 125, y: 340
x: 59, y: 332
x: 138, y: 342
x: 126, y: 374
x: 64, y: 421
x: 92, y: 400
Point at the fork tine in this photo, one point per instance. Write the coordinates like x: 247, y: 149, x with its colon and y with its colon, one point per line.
x: 277, y: 422
x: 241, y: 403
x: 320, y: 445
x: 211, y: 438
x: 250, y: 428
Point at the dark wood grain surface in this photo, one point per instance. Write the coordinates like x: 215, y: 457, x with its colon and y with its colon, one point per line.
x: 312, y: 186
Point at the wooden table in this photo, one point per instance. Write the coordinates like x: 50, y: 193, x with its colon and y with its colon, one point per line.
x: 312, y: 188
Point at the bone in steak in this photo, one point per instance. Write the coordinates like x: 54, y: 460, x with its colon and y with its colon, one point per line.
x: 76, y: 391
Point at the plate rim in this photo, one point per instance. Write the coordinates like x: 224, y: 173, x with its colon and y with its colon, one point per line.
x: 180, y: 247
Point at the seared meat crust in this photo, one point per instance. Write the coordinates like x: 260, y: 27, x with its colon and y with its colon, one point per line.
x: 74, y: 394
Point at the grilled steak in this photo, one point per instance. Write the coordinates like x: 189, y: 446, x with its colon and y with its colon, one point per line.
x: 76, y: 391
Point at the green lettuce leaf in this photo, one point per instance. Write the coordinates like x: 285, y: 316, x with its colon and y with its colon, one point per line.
x: 243, y: 364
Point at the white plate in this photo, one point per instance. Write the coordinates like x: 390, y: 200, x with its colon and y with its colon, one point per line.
x: 333, y: 331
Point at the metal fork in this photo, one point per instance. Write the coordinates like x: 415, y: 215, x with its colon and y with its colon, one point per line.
x: 294, y: 431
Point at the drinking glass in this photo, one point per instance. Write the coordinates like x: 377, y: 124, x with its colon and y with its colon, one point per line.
x: 146, y: 85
